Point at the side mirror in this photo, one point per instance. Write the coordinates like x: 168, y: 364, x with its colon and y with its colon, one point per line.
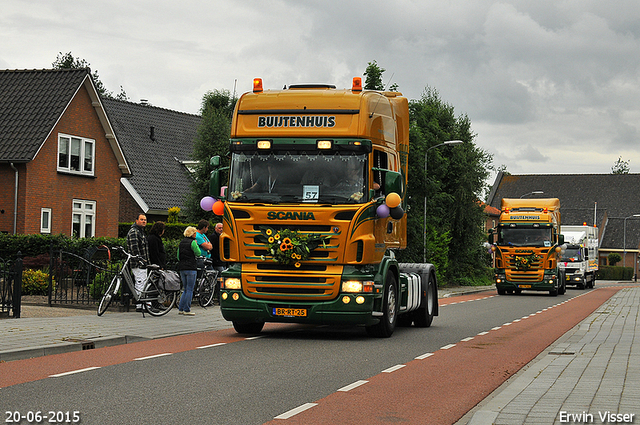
x: 393, y: 182
x: 560, y: 239
x: 214, y: 178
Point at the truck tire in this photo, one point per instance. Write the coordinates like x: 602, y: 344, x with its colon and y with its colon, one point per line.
x: 563, y: 287
x: 387, y: 324
x: 423, y: 316
x: 248, y: 328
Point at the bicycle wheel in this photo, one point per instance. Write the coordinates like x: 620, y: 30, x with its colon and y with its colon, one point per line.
x: 156, y: 301
x: 109, y: 294
x: 207, y: 289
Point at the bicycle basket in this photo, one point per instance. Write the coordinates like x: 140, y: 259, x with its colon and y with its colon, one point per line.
x: 171, y: 281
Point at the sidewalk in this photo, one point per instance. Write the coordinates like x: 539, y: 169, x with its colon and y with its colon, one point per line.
x: 589, y: 375
x: 44, y: 330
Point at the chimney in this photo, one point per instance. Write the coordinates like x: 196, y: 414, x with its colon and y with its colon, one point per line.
x: 152, y: 133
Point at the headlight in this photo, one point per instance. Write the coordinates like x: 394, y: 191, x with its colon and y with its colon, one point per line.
x: 354, y: 286
x: 231, y: 283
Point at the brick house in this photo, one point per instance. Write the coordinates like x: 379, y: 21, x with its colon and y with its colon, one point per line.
x: 609, y: 201
x: 60, y: 160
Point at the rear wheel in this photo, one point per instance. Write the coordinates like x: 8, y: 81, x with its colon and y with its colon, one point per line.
x: 423, y: 316
x: 387, y: 324
x: 158, y: 302
x: 109, y: 294
x: 248, y: 328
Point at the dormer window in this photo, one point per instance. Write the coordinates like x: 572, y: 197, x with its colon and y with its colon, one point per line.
x: 76, y: 155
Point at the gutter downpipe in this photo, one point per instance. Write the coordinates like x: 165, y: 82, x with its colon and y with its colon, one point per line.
x: 15, y: 200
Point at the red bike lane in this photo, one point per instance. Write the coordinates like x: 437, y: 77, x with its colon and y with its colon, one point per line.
x: 441, y: 387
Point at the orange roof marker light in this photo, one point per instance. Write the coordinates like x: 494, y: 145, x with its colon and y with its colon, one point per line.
x: 357, y: 84
x: 257, y: 85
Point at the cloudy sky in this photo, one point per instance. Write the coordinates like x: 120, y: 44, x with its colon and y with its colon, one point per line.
x: 551, y: 86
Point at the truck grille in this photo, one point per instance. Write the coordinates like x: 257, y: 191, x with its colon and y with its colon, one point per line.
x: 298, y: 285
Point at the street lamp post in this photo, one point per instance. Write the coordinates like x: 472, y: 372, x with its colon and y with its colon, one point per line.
x: 424, y: 223
x: 624, y: 240
x: 535, y: 192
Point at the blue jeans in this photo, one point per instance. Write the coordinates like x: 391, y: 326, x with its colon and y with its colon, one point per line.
x: 189, y: 281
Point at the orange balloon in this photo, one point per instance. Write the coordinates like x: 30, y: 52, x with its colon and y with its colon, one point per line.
x: 392, y: 200
x: 218, y: 208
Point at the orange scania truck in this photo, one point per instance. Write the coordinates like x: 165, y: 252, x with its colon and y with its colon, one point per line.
x: 313, y: 209
x: 528, y: 247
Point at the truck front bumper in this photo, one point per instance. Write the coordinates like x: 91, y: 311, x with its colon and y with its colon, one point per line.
x: 347, y: 309
x: 575, y: 279
x: 547, y: 282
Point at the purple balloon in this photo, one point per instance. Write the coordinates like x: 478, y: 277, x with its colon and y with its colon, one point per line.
x: 383, y: 211
x: 206, y: 203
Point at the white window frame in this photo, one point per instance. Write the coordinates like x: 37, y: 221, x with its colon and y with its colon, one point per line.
x: 83, y: 213
x: 45, y: 225
x: 86, y: 149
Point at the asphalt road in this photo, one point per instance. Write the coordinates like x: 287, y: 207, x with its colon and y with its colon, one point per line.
x: 303, y: 374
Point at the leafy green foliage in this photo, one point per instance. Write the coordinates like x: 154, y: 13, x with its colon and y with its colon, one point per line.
x: 67, y: 61
x: 452, y: 186
x: 614, y: 273
x: 373, y: 78
x: 174, y: 212
x: 614, y: 258
x: 212, y: 139
x: 35, y: 282
x: 620, y: 167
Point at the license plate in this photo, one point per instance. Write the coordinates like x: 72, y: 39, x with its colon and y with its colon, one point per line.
x: 524, y: 286
x: 290, y: 312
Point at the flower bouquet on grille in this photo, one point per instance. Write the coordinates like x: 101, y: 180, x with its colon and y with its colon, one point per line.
x: 523, y: 262
x: 290, y: 247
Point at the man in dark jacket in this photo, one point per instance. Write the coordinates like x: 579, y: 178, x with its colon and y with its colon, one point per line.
x: 138, y: 245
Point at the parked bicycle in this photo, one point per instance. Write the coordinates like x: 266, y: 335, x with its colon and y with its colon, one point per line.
x: 206, y: 284
x: 155, y: 299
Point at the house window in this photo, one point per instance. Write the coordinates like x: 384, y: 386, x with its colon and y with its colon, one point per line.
x: 83, y: 220
x: 75, y: 154
x: 45, y: 220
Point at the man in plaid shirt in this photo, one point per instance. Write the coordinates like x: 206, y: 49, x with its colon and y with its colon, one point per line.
x: 138, y: 245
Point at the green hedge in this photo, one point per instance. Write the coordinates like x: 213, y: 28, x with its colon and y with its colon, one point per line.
x: 174, y: 231
x: 614, y: 273
x: 35, y: 249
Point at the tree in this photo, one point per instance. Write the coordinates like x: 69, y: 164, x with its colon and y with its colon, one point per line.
x: 373, y: 78
x: 67, y: 61
x: 212, y: 139
x: 452, y: 187
x: 620, y: 167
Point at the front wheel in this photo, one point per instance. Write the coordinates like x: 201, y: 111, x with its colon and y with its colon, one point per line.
x: 423, y: 316
x: 387, y: 324
x: 109, y: 294
x: 248, y: 328
x: 207, y: 290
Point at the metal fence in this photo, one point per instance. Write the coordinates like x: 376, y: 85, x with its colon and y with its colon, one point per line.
x: 10, y: 286
x: 80, y: 280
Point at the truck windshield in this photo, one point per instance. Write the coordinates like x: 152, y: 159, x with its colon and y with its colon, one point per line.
x: 287, y: 177
x: 529, y: 236
x: 572, y: 254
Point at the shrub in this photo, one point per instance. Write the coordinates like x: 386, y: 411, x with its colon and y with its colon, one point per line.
x: 174, y: 212
x: 614, y: 258
x: 614, y: 273
x: 35, y: 282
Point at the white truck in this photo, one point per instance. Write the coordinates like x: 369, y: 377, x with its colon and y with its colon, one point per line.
x: 580, y: 258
